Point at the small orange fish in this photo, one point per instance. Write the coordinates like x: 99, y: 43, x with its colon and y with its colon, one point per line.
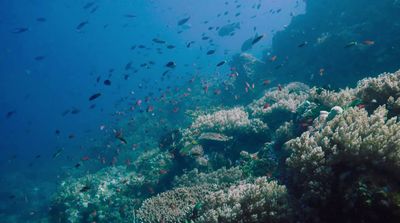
x: 175, y: 110
x: 266, y: 82
x: 279, y: 87
x: 114, y: 161
x: 361, y: 106
x: 162, y: 171
x: 368, y: 42
x: 205, y: 88
x: 85, y: 158
x: 232, y: 75
x: 266, y: 105
x: 150, y: 108
x: 254, y: 156
x: 217, y: 92
x: 273, y: 58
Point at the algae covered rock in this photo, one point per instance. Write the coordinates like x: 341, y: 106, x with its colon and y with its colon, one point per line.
x: 110, y: 195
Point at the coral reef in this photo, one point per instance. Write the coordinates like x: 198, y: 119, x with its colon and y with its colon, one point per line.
x: 311, y: 155
x: 279, y: 104
x: 355, y: 156
x: 173, y: 206
x: 261, y: 201
x: 222, y: 177
x: 328, y: 99
x: 110, y: 195
x: 224, y: 121
x: 384, y: 89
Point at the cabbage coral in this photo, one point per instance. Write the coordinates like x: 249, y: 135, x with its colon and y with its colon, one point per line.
x: 348, y: 169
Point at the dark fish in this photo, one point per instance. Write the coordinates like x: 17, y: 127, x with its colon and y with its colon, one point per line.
x: 165, y: 72
x: 221, y: 63
x: 183, y: 21
x: 107, y: 82
x: 189, y: 44
x: 75, y: 111
x: 92, y: 106
x: 88, y: 5
x: 58, y: 153
x: 41, y: 19
x: 81, y: 25
x: 37, y: 156
x: 20, y: 30
x: 303, y: 44
x: 39, y: 58
x: 84, y: 188
x: 57, y: 132
x: 156, y: 40
x: 10, y: 113
x: 94, y: 96
x: 65, y: 112
x: 77, y: 165
x: 11, y: 196
x: 228, y: 29
x: 257, y: 39
x: 351, y: 44
x: 210, y: 52
x: 128, y: 66
x: 130, y: 16
x: 122, y: 140
x: 247, y: 45
x: 171, y: 64
x: 94, y: 9
x: 170, y: 46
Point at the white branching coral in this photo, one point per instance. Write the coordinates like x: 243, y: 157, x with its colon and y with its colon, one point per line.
x: 173, y: 206
x: 379, y: 89
x: 351, y: 147
x: 223, y: 121
x: 329, y: 99
x: 219, y: 177
x: 261, y: 201
x: 283, y: 101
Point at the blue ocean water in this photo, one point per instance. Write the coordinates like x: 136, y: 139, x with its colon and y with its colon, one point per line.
x: 55, y: 56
